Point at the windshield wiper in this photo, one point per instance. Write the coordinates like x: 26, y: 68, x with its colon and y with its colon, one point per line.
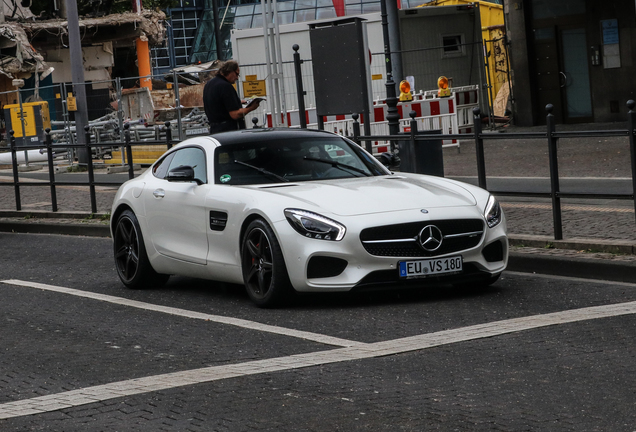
x: 262, y: 171
x: 339, y: 165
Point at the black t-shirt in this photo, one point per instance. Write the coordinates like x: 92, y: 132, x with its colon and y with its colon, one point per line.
x: 219, y: 98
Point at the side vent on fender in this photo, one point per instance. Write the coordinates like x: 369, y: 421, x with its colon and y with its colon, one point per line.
x: 218, y: 220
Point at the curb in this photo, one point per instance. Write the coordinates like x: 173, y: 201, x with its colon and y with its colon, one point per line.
x: 580, y: 244
x: 37, y: 223
x: 77, y: 229
x: 585, y: 268
x: 552, y: 264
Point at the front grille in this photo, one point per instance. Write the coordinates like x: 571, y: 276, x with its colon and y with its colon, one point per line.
x: 401, y: 240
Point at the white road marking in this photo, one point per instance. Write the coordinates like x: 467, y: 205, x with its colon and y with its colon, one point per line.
x: 148, y: 384
x: 252, y: 325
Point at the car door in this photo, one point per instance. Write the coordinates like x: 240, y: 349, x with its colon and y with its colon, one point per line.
x: 175, y: 211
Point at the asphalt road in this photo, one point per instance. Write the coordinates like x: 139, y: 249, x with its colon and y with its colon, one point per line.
x: 532, y: 352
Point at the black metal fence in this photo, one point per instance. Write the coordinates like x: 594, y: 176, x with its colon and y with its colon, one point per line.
x: 550, y: 136
x: 88, y: 147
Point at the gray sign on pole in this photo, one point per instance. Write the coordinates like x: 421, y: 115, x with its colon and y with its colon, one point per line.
x: 339, y: 59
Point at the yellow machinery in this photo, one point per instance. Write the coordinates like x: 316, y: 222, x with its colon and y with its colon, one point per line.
x: 35, y: 117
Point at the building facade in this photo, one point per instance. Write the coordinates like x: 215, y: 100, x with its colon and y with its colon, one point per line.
x: 577, y: 55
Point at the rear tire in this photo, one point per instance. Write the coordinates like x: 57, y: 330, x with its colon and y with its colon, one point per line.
x: 264, y: 271
x: 131, y: 259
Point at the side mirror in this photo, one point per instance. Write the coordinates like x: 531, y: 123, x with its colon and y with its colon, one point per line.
x: 183, y: 173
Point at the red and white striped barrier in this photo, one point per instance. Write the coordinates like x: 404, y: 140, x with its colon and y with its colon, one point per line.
x: 451, y: 115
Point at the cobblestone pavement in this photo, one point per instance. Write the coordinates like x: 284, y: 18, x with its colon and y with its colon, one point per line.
x: 81, y: 352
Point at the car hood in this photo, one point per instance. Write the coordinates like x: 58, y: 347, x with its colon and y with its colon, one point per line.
x: 348, y: 197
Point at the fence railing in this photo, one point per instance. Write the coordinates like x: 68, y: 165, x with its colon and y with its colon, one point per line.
x: 52, y: 183
x: 551, y: 137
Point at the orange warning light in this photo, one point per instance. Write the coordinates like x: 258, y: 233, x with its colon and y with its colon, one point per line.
x: 443, y: 85
x: 405, y: 91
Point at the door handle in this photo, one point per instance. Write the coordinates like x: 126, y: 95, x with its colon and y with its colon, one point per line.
x: 565, y: 79
x: 159, y: 193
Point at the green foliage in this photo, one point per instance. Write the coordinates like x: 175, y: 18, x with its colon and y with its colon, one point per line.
x: 76, y: 168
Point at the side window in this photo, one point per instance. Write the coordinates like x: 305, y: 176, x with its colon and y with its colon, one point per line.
x: 453, y: 45
x: 191, y: 156
x: 160, y: 170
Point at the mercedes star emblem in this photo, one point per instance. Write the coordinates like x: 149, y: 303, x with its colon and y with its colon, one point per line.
x: 431, y: 238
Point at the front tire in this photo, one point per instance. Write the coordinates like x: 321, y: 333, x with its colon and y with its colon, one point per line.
x: 131, y: 259
x: 264, y: 271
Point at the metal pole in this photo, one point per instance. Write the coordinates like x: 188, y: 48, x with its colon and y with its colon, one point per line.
x: 413, y: 162
x: 274, y: 77
x: 391, y: 100
x: 168, y: 135
x: 91, y: 174
x: 129, y: 155
x: 356, y: 128
x: 120, y: 120
x: 217, y: 30
x: 489, y: 85
x: 280, y: 73
x: 479, y: 148
x: 482, y: 81
x: 554, y: 174
x: 631, y: 124
x: 77, y: 72
x: 14, y: 165
x: 49, y: 154
x: 510, y: 89
x: 394, y: 39
x: 24, y: 140
x: 302, y: 114
x: 178, y: 102
x: 67, y: 120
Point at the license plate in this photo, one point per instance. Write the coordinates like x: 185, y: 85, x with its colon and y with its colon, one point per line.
x: 430, y: 267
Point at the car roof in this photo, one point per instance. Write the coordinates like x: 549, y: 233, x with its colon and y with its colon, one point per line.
x: 244, y: 136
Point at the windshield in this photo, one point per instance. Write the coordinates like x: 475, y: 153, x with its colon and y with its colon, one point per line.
x: 295, y: 159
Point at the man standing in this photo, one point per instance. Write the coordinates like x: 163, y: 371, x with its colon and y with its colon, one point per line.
x: 221, y: 102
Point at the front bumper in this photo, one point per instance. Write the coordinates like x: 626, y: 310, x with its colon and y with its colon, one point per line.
x: 363, y: 270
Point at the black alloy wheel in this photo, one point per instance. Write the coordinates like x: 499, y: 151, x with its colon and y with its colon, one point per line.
x: 133, y: 267
x: 264, y: 271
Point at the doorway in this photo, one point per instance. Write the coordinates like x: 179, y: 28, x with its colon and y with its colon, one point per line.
x: 562, y: 74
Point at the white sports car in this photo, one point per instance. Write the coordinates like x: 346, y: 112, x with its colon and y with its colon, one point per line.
x: 283, y: 210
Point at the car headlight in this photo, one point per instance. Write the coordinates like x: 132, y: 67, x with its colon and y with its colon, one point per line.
x: 314, y: 226
x: 493, y: 212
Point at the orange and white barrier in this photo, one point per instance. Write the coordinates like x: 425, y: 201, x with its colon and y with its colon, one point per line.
x: 451, y: 115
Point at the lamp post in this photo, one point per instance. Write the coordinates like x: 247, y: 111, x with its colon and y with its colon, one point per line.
x: 77, y: 73
x: 391, y: 100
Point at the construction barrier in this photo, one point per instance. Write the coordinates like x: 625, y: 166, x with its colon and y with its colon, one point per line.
x: 451, y: 115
